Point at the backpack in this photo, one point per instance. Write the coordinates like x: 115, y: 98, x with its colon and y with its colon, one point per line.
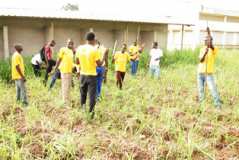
x: 42, y: 53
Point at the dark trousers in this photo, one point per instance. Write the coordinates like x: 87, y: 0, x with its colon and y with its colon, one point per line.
x: 57, y: 75
x: 37, y: 70
x: 88, y: 85
x: 119, y: 79
x: 51, y: 64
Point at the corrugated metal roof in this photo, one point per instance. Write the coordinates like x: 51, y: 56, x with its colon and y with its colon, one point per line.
x: 100, y: 16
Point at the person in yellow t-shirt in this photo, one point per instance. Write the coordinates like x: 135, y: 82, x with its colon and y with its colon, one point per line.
x: 207, y: 58
x: 65, y: 65
x: 88, y: 58
x: 101, y: 70
x: 18, y: 74
x: 134, y: 58
x: 121, y: 59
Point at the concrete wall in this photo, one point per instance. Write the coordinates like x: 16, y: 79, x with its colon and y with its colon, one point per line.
x: 105, y: 36
x: 162, y: 36
x: 147, y: 37
x: 33, y: 33
x: 120, y: 37
x: 30, y: 37
x: 1, y: 42
x: 224, y: 29
x: 63, y: 33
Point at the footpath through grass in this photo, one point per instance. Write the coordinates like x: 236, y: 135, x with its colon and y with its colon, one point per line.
x: 148, y: 119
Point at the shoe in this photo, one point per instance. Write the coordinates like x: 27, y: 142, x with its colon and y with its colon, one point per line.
x: 83, y: 107
x: 92, y: 115
x: 25, y: 104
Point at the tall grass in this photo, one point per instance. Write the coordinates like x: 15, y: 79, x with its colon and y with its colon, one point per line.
x: 5, y: 69
x: 149, y: 119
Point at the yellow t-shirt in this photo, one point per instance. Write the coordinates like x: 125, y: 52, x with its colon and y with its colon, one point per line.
x: 102, y: 50
x: 208, y: 65
x: 66, y: 56
x: 17, y: 60
x: 134, y: 52
x: 121, y: 60
x: 88, y: 55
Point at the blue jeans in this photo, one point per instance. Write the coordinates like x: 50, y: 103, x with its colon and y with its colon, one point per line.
x: 154, y: 71
x: 100, y: 77
x: 21, y: 91
x: 56, y: 76
x: 134, y: 67
x: 209, y: 79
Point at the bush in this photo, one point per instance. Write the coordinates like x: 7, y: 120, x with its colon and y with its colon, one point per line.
x: 180, y: 57
x: 5, y: 69
x: 169, y: 58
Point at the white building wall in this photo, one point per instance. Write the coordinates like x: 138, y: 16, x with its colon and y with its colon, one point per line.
x: 224, y: 29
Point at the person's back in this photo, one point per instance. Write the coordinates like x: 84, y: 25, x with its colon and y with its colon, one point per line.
x: 88, y: 55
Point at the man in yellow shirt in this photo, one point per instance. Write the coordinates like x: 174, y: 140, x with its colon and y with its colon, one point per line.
x: 134, y: 58
x: 121, y: 58
x: 88, y: 58
x: 206, y: 70
x: 18, y: 74
x: 65, y: 65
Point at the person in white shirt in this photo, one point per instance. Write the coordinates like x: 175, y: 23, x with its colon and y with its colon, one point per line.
x: 36, y: 64
x: 155, y: 55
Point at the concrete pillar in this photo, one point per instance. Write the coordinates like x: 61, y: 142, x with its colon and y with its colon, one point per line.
x: 182, y: 37
x: 155, y: 35
x: 170, y: 45
x: 234, y: 39
x: 224, y: 33
x: 91, y: 29
x: 126, y: 34
x: 5, y: 42
x: 138, y: 34
x: 50, y: 32
x: 196, y: 36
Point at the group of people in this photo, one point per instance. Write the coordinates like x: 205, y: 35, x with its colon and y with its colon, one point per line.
x: 90, y: 61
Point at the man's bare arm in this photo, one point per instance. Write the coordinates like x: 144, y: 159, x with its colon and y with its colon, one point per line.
x: 20, y: 72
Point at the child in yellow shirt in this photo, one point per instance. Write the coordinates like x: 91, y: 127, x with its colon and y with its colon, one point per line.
x: 121, y: 58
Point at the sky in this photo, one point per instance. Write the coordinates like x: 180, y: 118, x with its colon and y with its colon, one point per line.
x: 119, y: 4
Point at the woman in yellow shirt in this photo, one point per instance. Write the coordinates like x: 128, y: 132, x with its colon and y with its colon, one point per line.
x: 121, y: 58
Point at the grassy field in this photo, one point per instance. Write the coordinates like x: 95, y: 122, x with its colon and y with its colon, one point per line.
x: 148, y: 119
